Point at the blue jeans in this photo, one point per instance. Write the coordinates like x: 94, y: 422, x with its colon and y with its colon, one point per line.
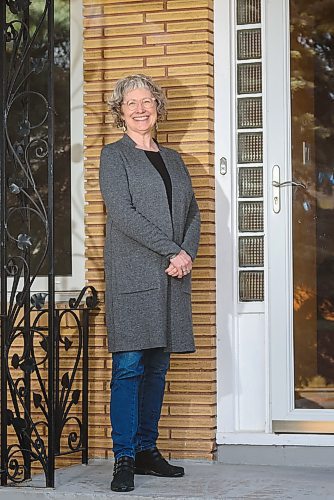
x: 137, y: 391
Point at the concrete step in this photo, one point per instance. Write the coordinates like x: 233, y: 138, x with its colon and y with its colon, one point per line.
x: 203, y: 480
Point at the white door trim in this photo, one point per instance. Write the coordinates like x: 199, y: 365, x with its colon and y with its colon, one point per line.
x: 225, y: 274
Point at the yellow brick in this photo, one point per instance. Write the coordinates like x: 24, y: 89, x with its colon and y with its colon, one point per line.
x: 97, y: 85
x: 177, y: 125
x: 93, y: 10
x: 97, y: 108
x: 90, y: 2
x: 207, y: 434
x: 190, y: 26
x: 93, y: 97
x: 189, y: 148
x: 93, y: 141
x: 204, y: 376
x: 184, y: 4
x: 194, y: 92
x: 113, y: 20
x: 134, y: 29
x: 115, y: 75
x: 113, y: 42
x: 141, y: 51
x: 190, y: 102
x: 184, y: 444
x: 178, y: 421
x: 173, y: 38
x: 93, y: 32
x: 189, y: 136
x: 137, y: 7
x: 192, y: 455
x: 93, y: 54
x: 193, y: 364
x: 189, y: 48
x: 186, y: 114
x: 196, y: 387
x: 188, y: 80
x: 93, y: 76
x: 188, y: 70
x: 195, y: 410
x: 103, y: 2
x: 92, y: 152
x: 120, y: 63
x: 183, y: 59
x: 176, y: 16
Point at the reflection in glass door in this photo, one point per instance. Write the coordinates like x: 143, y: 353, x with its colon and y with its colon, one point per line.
x: 312, y: 139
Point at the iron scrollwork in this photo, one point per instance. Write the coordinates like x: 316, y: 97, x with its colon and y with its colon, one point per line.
x: 44, y: 347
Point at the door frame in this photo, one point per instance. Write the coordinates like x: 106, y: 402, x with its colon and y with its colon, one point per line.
x: 230, y: 337
x: 285, y: 417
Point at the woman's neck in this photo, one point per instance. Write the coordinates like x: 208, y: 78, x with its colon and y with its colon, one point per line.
x: 143, y: 141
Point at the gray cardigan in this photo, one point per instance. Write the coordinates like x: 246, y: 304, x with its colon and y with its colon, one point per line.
x: 144, y: 307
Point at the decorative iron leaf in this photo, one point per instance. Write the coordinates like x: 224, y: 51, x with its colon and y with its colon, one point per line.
x: 19, y: 148
x: 76, y: 396
x: 44, y: 344
x: 23, y: 391
x: 38, y: 300
x: 67, y: 343
x: 11, y: 268
x: 19, y: 298
x: 37, y: 65
x: 28, y: 365
x: 15, y: 361
x: 9, y: 416
x: 24, y: 241
x: 37, y: 399
x: 39, y: 443
x: 24, y: 128
x: 19, y: 424
x: 65, y: 380
x: 11, y: 33
x: 16, y: 6
x: 14, y: 188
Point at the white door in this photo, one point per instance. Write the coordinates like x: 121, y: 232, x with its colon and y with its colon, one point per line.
x: 299, y: 159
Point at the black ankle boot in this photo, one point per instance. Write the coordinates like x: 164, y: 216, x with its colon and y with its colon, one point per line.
x: 153, y: 463
x: 123, y: 475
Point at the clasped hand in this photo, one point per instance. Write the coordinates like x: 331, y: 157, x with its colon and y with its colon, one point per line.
x: 180, y: 265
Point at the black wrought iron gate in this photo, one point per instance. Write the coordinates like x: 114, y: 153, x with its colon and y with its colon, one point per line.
x: 44, y: 346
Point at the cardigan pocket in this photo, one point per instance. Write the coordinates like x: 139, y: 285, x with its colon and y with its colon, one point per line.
x: 133, y: 276
x: 186, y: 283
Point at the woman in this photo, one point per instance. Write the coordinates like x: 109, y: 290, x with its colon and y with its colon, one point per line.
x: 152, y: 236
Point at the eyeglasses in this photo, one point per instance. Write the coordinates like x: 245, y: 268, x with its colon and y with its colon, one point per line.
x: 147, y: 103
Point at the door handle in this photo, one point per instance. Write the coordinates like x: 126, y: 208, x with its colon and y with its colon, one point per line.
x: 277, y: 185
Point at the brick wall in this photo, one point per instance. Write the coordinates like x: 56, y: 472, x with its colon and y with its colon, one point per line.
x: 172, y: 41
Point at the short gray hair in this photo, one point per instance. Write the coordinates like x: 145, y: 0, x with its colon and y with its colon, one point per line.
x: 133, y: 82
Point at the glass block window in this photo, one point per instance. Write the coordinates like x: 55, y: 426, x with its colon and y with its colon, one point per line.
x: 249, y: 11
x: 251, y: 286
x: 249, y: 44
x: 251, y: 251
x: 249, y: 78
x: 250, y: 112
x: 250, y: 182
x: 249, y: 143
x: 251, y: 216
x: 250, y: 147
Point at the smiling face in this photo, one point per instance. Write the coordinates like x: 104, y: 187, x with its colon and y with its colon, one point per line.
x: 141, y: 120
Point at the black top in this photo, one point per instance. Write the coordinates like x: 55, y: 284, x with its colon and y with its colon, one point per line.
x: 157, y: 162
